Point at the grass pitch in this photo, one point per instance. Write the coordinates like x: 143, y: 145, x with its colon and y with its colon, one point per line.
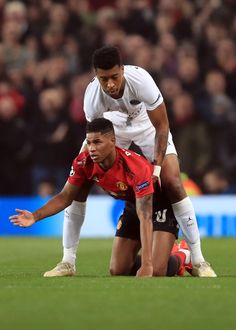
x: 94, y: 300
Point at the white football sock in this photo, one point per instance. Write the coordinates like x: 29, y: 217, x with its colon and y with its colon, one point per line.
x: 73, y: 220
x: 69, y: 255
x: 185, y: 216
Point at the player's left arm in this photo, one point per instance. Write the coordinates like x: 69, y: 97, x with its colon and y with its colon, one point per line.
x: 150, y: 94
x: 159, y: 119
x: 144, y: 212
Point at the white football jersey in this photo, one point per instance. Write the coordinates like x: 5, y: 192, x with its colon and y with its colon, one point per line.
x: 141, y: 94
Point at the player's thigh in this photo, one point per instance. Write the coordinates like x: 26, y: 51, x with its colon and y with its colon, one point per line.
x: 124, y: 251
x: 126, y: 242
x: 171, y: 180
x: 145, y: 140
x: 162, y: 245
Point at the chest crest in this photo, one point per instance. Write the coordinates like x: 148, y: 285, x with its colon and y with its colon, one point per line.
x: 121, y: 186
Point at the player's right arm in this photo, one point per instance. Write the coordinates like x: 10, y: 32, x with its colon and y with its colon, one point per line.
x: 149, y: 93
x: 24, y: 218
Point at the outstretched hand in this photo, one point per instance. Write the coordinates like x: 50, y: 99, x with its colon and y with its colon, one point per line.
x: 23, y: 219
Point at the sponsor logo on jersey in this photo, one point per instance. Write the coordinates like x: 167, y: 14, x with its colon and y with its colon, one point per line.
x: 134, y: 102
x: 142, y: 185
x: 121, y: 185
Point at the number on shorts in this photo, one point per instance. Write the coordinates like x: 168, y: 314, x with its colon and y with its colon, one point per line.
x: 161, y: 216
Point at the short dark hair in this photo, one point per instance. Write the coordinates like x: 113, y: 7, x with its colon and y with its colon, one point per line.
x: 100, y: 125
x: 106, y: 58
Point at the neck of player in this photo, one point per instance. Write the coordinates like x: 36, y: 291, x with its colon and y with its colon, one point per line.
x: 109, y: 161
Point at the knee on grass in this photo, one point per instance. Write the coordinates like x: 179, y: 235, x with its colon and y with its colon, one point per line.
x: 170, y: 269
x: 118, y: 271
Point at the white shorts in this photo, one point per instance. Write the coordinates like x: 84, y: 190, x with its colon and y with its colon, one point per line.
x: 142, y: 135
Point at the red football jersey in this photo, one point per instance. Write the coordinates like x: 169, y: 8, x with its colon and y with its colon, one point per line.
x: 130, y: 176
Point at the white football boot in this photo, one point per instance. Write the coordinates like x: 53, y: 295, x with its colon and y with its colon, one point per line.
x: 203, y: 269
x: 61, y: 269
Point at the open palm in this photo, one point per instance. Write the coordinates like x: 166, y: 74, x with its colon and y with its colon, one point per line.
x: 24, y: 218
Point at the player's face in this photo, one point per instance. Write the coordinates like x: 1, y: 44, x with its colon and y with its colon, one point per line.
x: 112, y: 80
x: 101, y: 148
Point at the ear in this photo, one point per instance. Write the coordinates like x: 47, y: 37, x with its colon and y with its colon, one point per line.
x: 113, y: 138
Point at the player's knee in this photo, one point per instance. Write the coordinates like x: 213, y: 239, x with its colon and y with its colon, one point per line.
x: 174, y: 187
x: 118, y: 267
x: 116, y: 271
x: 167, y: 269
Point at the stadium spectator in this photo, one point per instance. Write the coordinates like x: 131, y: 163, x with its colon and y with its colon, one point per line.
x: 14, y: 145
x: 53, y: 139
x: 77, y: 89
x: 215, y: 181
x: 191, y: 137
x: 214, y: 88
x: 226, y: 61
x: 8, y: 90
x: 16, y: 11
x: 226, y: 157
x: 189, y: 75
x: 171, y: 88
x: 46, y: 187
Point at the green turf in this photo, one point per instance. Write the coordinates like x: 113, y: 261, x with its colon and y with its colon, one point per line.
x: 94, y: 300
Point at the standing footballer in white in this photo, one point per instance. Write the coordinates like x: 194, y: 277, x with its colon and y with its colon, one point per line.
x: 129, y: 97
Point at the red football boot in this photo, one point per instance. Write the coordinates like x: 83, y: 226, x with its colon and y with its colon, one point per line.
x: 181, y: 256
x: 184, y: 245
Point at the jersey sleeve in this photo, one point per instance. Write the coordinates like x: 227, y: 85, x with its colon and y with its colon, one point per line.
x: 142, y: 182
x: 93, y: 105
x: 147, y: 90
x: 78, y: 173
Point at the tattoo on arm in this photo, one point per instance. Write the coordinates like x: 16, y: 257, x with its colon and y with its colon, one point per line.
x: 161, y: 145
x: 144, y: 207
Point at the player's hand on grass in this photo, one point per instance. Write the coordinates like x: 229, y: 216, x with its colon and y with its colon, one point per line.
x: 145, y: 271
x: 23, y: 219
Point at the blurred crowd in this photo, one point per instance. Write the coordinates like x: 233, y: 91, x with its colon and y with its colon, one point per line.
x: 188, y: 46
